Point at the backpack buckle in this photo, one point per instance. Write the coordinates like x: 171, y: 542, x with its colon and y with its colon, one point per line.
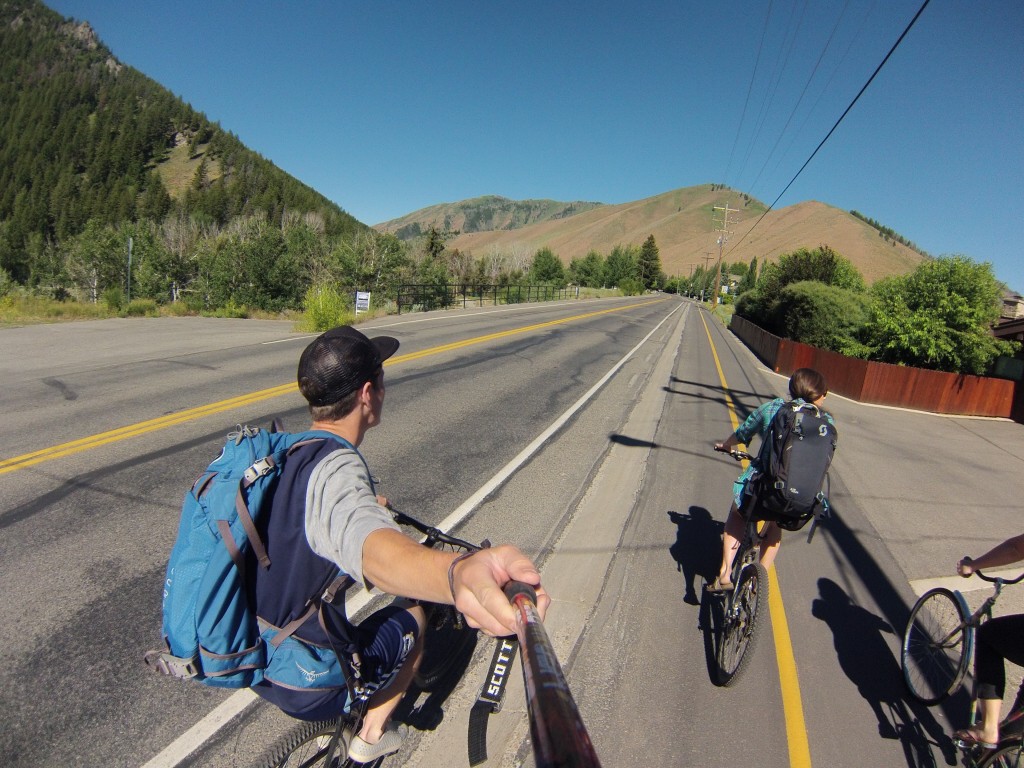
x: 172, y: 666
x: 258, y: 470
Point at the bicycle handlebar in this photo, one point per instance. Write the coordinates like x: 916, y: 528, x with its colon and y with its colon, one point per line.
x: 559, y: 736
x: 994, y: 579
x: 735, y: 453
x: 432, y: 533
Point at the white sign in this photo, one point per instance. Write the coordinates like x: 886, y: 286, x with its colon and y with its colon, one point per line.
x: 362, y: 301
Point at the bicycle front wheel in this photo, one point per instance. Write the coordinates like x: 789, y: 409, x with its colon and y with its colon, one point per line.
x: 936, y: 645
x: 306, y: 746
x: 738, y: 635
x: 1007, y: 756
x: 448, y: 644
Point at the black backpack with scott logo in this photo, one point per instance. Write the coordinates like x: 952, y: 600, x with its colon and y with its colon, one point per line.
x: 794, y: 461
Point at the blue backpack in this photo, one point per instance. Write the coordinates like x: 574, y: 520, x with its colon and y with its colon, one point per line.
x: 210, y: 626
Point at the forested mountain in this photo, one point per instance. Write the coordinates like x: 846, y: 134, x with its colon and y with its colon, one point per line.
x: 86, y: 141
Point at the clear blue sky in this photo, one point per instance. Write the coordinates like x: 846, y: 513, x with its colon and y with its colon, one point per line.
x: 387, y: 107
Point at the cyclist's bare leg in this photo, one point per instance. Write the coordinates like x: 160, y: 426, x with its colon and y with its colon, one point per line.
x: 988, y: 728
x: 771, y: 537
x: 384, y: 701
x: 730, y: 543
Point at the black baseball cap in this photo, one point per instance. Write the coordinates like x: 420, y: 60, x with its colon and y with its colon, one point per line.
x: 339, y: 361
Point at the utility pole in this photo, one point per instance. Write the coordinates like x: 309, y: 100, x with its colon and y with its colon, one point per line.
x: 707, y: 257
x: 129, y: 270
x: 723, y: 236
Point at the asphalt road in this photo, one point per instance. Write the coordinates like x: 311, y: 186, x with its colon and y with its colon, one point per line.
x: 622, y: 504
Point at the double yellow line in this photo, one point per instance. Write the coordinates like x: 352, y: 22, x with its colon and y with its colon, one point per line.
x: 792, y: 703
x: 152, y: 425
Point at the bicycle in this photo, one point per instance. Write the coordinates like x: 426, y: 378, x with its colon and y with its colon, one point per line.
x: 938, y: 643
x: 560, y: 739
x: 448, y: 640
x: 742, y: 607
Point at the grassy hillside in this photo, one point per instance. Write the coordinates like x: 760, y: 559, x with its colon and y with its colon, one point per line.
x: 683, y: 224
x: 482, y: 214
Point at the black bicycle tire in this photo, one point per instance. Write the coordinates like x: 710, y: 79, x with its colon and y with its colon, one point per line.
x: 920, y: 661
x: 998, y: 759
x: 276, y: 755
x: 729, y: 670
x: 447, y: 641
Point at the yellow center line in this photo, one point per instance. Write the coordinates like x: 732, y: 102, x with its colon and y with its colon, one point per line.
x: 191, y: 414
x: 792, y: 702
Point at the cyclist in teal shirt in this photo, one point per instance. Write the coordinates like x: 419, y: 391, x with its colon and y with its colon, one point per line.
x: 805, y: 385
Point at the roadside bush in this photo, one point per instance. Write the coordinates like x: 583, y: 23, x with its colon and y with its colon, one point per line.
x: 141, y: 308
x: 114, y: 298
x: 230, y: 309
x: 758, y: 308
x: 630, y: 286
x: 177, y: 309
x: 325, y: 308
x: 823, y: 316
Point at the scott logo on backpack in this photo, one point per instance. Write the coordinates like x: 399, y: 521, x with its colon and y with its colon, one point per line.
x: 794, y: 460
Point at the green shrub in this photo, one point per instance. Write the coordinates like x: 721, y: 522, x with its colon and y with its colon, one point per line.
x: 822, y: 315
x: 231, y: 309
x: 630, y: 286
x: 177, y: 309
x: 114, y: 298
x: 325, y: 308
x: 141, y: 308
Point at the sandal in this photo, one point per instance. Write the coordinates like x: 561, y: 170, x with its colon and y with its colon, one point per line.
x: 970, y: 737
x: 719, y: 586
x: 360, y: 751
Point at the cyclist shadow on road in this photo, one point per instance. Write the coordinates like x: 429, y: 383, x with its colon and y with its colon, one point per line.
x: 867, y: 660
x: 697, y: 549
x: 426, y: 714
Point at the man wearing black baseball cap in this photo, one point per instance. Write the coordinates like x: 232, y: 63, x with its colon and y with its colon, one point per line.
x: 346, y: 524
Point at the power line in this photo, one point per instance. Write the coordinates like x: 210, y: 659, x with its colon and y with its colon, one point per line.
x: 750, y: 88
x: 845, y: 112
x: 803, y: 93
x: 824, y: 88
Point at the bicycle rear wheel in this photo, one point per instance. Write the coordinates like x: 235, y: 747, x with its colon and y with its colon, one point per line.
x: 306, y: 746
x: 1007, y: 756
x: 449, y: 641
x: 738, y: 636
x: 936, y: 645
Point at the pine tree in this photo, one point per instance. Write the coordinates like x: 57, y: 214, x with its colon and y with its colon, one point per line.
x: 649, y: 265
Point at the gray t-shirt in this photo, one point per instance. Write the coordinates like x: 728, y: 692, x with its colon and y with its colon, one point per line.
x: 342, y: 510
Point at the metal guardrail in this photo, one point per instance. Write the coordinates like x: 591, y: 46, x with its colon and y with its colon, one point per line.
x: 415, y: 297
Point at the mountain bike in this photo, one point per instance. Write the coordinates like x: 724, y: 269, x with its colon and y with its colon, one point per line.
x: 737, y: 620
x: 559, y: 737
x: 447, y: 641
x: 938, y: 643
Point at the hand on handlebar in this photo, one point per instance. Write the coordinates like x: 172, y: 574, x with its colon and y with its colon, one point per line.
x: 965, y: 567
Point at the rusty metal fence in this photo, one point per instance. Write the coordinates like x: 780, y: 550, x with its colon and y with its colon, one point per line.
x: 886, y: 384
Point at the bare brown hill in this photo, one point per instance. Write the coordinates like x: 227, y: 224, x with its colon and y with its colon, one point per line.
x: 683, y: 223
